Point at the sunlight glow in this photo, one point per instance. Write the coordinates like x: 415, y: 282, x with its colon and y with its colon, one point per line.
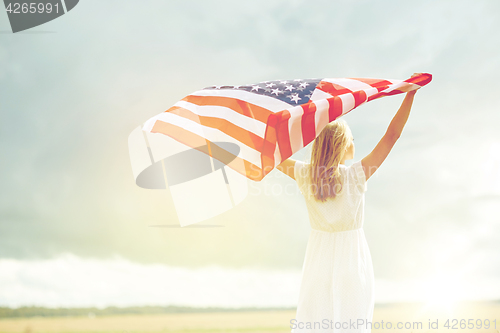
x: 442, y: 292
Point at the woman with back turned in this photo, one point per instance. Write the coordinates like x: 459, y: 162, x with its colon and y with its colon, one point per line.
x: 337, y: 290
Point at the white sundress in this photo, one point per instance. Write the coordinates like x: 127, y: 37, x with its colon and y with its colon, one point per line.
x: 337, y: 287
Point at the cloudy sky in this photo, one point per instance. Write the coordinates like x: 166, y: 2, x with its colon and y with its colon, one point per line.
x: 73, y: 222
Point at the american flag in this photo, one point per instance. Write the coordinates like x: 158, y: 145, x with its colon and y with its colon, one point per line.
x: 252, y: 128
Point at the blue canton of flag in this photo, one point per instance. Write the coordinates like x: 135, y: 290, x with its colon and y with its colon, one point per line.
x: 294, y: 92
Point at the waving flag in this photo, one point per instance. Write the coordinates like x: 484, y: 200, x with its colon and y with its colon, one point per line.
x: 253, y: 128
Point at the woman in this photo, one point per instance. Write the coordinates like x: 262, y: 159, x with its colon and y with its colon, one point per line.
x: 337, y: 290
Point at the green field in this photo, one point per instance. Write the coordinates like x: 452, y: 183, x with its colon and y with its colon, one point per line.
x: 252, y: 321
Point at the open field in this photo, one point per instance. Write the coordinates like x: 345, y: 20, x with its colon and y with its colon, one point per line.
x: 256, y: 321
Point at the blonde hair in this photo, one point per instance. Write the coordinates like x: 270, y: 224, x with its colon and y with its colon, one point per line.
x: 328, y: 150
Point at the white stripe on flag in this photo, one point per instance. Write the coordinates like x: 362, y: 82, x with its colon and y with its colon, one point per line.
x: 403, y: 86
x: 370, y: 92
x: 350, y: 84
x: 320, y: 94
x: 211, y: 134
x: 270, y: 103
x: 250, y: 124
x: 393, y: 81
x: 348, y: 102
x: 295, y: 128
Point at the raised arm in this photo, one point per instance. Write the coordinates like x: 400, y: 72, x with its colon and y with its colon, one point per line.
x: 373, y: 160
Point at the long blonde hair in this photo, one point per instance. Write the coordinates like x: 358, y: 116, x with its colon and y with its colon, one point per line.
x: 328, y: 150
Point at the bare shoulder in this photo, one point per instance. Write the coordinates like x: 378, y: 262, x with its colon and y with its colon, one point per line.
x: 287, y: 167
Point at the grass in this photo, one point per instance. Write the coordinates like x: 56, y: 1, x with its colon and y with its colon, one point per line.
x: 247, y: 321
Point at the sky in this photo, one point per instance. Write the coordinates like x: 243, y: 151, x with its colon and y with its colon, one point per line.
x: 73, y: 89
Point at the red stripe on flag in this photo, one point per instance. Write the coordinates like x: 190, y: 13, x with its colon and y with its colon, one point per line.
x: 359, y: 98
x: 308, y: 123
x: 335, y: 108
x: 248, y: 109
x: 195, y: 141
x: 377, y: 95
x: 269, y: 146
x: 282, y: 134
x: 332, y: 89
x: 421, y: 79
x: 246, y: 137
x: 382, y: 94
x: 372, y: 97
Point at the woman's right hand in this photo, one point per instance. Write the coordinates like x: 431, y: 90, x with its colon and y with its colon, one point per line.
x: 413, y: 92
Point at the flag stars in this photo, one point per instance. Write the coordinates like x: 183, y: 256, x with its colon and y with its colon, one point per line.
x: 293, y: 92
x: 277, y: 91
x: 295, y: 98
x: 310, y: 94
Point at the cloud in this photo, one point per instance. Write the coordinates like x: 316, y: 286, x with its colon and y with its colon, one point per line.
x: 71, y: 281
